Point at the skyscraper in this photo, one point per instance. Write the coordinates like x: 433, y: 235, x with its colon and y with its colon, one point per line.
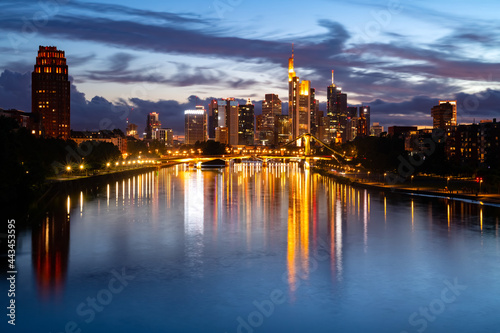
x: 362, y: 129
x: 282, y: 129
x: 166, y: 135
x: 228, y: 118
x: 213, y: 118
x: 246, y: 124
x: 299, y: 101
x: 221, y: 130
x: 195, y: 125
x: 454, y: 114
x: 271, y: 107
x: 352, y: 123
x: 152, y: 126
x: 314, y: 112
x: 444, y: 114
x: 364, y: 111
x: 50, y: 93
x: 232, y: 121
x: 336, y: 112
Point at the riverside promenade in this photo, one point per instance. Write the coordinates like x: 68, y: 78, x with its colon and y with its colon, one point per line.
x: 418, y: 187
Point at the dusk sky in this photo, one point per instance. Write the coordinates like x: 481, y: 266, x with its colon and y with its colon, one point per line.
x: 400, y: 57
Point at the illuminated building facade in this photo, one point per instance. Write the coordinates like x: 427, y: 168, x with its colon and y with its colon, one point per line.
x: 474, y: 144
x: 444, y: 114
x: 50, y: 93
x: 101, y: 136
x: 221, y: 135
x: 376, y: 129
x: 323, y: 127
x: 362, y: 129
x: 401, y: 131
x: 271, y: 107
x: 299, y: 101
x: 212, y: 119
x: 246, y: 124
x: 228, y: 117
x: 314, y: 112
x: 352, y: 123
x: 132, y: 130
x: 152, y: 126
x: 259, y: 125
x: 283, y: 129
x: 166, y: 135
x: 336, y: 112
x: 195, y: 125
x: 364, y: 112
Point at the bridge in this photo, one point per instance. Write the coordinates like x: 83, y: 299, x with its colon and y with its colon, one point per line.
x: 304, y: 156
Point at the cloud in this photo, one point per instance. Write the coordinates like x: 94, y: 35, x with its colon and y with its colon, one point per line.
x: 114, y: 9
x: 417, y: 111
x: 369, y: 70
x: 184, y: 75
x: 389, y: 74
x: 77, y: 60
x: 15, y: 90
x: 99, y: 113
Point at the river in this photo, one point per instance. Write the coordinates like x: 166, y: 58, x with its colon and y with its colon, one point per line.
x: 257, y: 249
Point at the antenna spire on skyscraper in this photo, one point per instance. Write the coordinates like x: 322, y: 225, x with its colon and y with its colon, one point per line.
x: 291, y: 71
x: 333, y: 77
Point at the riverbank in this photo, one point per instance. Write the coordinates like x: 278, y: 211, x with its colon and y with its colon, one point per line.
x: 36, y: 202
x: 59, y: 185
x: 480, y: 198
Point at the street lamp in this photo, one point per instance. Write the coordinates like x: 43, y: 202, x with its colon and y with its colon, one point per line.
x: 81, y: 167
x: 412, y: 180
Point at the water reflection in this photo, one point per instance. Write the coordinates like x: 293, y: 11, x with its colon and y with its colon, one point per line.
x: 194, y: 220
x: 50, y: 251
x: 249, y: 208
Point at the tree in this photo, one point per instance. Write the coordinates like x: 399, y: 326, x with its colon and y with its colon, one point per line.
x: 212, y: 147
x: 101, y: 154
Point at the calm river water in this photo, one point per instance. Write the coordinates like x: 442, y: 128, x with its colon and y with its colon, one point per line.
x: 257, y: 249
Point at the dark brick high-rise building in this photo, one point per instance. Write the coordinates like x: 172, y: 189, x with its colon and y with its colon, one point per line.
x: 50, y: 93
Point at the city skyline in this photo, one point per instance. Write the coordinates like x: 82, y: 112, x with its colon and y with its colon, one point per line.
x: 374, y: 64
